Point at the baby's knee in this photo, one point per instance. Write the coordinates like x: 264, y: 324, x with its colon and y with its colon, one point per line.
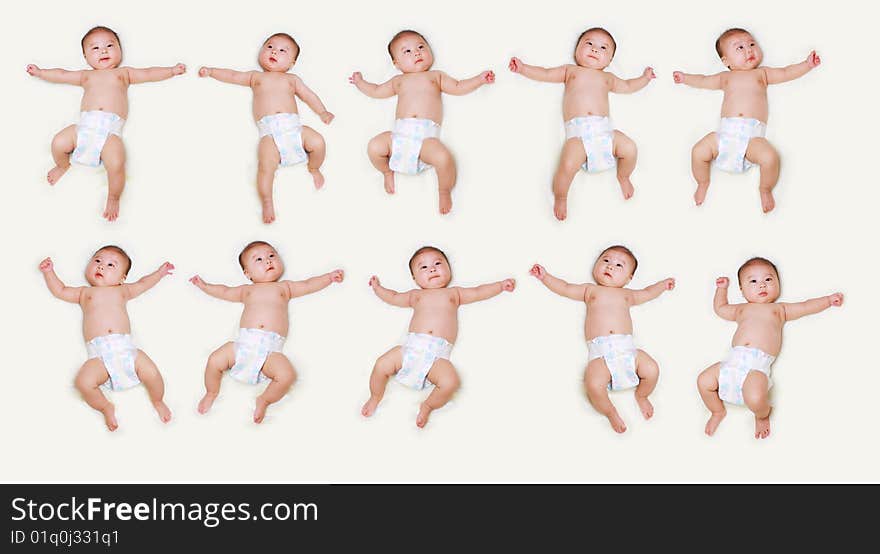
x: 449, y: 382
x: 286, y: 376
x: 378, y: 145
x: 596, y: 386
x: 755, y: 398
x: 705, y: 380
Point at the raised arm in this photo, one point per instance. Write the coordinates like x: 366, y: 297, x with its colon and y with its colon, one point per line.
x: 560, y: 287
x: 314, y: 284
x: 722, y: 308
x: 56, y: 286
x: 712, y: 82
x: 629, y: 86
x: 152, y: 74
x: 230, y: 76
x: 384, y: 90
x: 147, y: 282
x: 536, y: 73
x: 650, y: 293
x: 812, y: 306
x: 311, y: 99
x: 230, y: 294
x: 465, y: 86
x: 484, y: 292
x: 56, y: 75
x: 399, y: 299
x: 776, y: 75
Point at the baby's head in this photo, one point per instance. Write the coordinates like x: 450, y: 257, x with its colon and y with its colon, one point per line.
x: 594, y: 48
x: 430, y: 269
x: 278, y: 53
x: 108, y: 267
x: 410, y: 52
x: 260, y: 262
x: 101, y: 48
x: 738, y: 49
x: 759, y: 281
x: 615, y: 266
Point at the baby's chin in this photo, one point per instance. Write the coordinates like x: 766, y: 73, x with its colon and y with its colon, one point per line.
x: 434, y: 285
x: 590, y: 64
x: 276, y: 69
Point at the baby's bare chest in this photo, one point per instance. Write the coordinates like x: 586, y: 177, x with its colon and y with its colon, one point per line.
x: 104, y: 80
x: 266, y: 297
x: 93, y: 299
x: 445, y: 301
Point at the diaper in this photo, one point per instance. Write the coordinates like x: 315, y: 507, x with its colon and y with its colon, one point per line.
x: 735, y: 368
x: 252, y: 347
x: 91, y: 134
x: 420, y: 351
x: 733, y: 140
x: 286, y: 131
x: 118, y: 352
x: 598, y: 136
x: 406, y: 144
x: 619, y: 353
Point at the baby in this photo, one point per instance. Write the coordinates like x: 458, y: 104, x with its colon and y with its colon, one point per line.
x: 414, y: 144
x: 432, y: 331
x: 256, y: 356
x: 97, y: 137
x: 739, y: 143
x: 114, y: 361
x: 591, y: 142
x: 614, y: 361
x: 284, y: 139
x: 744, y: 375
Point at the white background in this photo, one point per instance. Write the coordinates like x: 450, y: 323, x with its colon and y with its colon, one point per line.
x: 520, y: 415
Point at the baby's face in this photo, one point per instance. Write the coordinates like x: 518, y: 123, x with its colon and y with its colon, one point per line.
x: 613, y: 269
x: 741, y: 51
x: 102, y: 50
x: 412, y: 54
x: 760, y: 284
x: 278, y: 54
x: 262, y: 264
x: 106, y: 269
x: 431, y: 270
x: 595, y: 50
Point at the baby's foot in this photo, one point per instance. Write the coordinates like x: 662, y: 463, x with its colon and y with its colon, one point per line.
x: 714, y: 420
x: 767, y: 202
x: 700, y: 194
x: 762, y: 427
x: 163, y: 411
x: 626, y: 187
x: 268, y: 210
x: 616, y: 422
x: 260, y: 411
x: 111, y: 210
x: 317, y: 177
x: 110, y: 417
x: 445, y: 202
x: 55, y: 173
x: 389, y: 182
x: 560, y: 207
x: 206, y: 402
x: 424, y: 414
x: 369, y: 407
x: 646, y: 406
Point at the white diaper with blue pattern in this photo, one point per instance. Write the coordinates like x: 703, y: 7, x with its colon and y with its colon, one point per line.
x: 286, y: 130
x: 736, y: 367
x: 420, y: 351
x: 118, y: 353
x: 252, y: 347
x: 733, y: 141
x: 619, y: 353
x: 91, y: 134
x: 406, y: 144
x: 598, y: 136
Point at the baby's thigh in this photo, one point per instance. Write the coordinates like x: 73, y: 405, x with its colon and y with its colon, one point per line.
x: 435, y: 152
x: 573, y: 150
x: 646, y: 366
x: 113, y: 153
x: 267, y: 151
x: 65, y: 138
x: 756, y: 387
x: 597, y: 373
x: 390, y: 362
x: 144, y: 366
x: 707, y: 147
x: 443, y: 374
x: 760, y: 151
x: 278, y: 367
x: 92, y: 373
x: 623, y: 145
x: 311, y: 138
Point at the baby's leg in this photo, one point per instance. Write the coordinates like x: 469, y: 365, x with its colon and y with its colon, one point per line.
x: 62, y: 145
x: 648, y: 372
x: 707, y: 384
x: 268, y: 159
x: 756, y: 395
x: 446, y: 382
x: 626, y: 153
x: 570, y: 161
x: 761, y: 152
x: 436, y: 154
x: 379, y: 151
x: 149, y: 375
x: 113, y: 156
x: 280, y: 370
x: 387, y: 365
x: 219, y: 361
x: 90, y: 376
x: 313, y: 144
x: 596, y: 380
x: 702, y: 155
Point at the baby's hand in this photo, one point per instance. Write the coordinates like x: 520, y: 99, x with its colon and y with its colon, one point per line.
x: 374, y: 281
x: 326, y: 117
x: 722, y: 282
x: 649, y: 73
x: 166, y: 269
x: 204, y: 72
x: 32, y: 69
x: 197, y: 281
x: 515, y: 65
x: 178, y: 69
x: 508, y: 285
x: 337, y: 276
x: 46, y: 265
x: 813, y: 59
x: 356, y: 78
x: 669, y: 284
x: 678, y: 77
x: 836, y: 299
x: 488, y: 77
x: 538, y: 271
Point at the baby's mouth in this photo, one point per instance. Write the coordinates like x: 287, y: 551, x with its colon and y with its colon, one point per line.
x: 606, y: 274
x: 273, y: 60
x: 762, y: 294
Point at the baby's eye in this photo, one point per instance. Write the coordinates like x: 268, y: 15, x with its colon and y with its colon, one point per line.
x: 421, y: 46
x: 740, y: 47
x: 110, y: 264
x: 604, y: 47
x: 619, y: 265
x: 769, y: 279
x: 259, y: 259
x: 753, y: 280
x: 94, y: 47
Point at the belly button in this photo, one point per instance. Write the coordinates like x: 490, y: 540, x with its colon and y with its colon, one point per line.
x: 262, y: 326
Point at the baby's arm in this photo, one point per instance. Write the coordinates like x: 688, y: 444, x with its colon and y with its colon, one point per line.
x: 722, y: 308
x: 56, y: 75
x: 311, y: 99
x: 628, y: 86
x: 535, y: 73
x: 147, y: 282
x: 712, y: 82
x: 809, y: 307
x: 231, y: 294
x: 231, y: 76
x: 791, y: 72
x: 152, y: 74
x: 650, y: 293
x: 485, y: 292
x: 560, y: 287
x: 384, y: 90
x: 302, y: 288
x: 466, y: 86
x: 56, y: 286
x: 399, y: 299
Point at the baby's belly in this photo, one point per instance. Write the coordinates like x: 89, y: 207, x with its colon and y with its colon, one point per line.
x: 92, y: 329
x: 277, y: 324
x: 583, y: 108
x: 768, y: 342
x: 115, y: 105
x: 604, y: 327
x: 424, y: 109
